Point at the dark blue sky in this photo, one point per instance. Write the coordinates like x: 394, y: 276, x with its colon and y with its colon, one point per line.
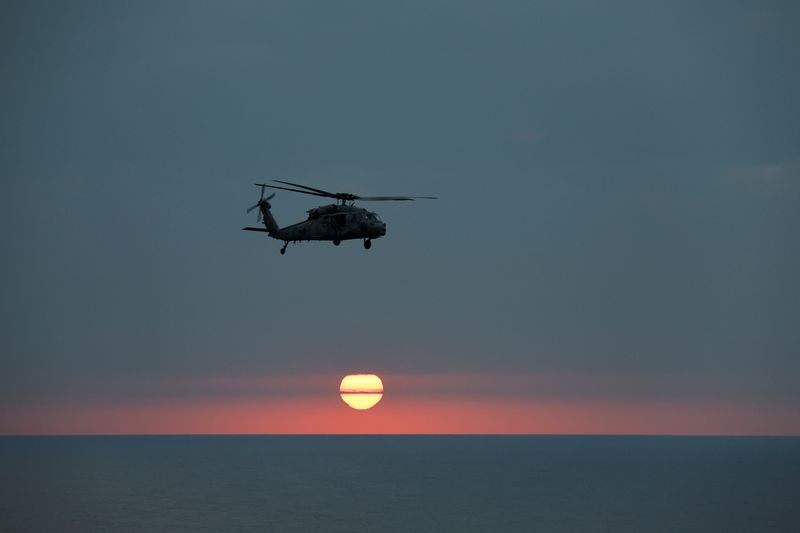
x: 619, y: 188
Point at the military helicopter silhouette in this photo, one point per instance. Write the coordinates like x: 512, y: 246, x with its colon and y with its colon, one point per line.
x: 334, y: 222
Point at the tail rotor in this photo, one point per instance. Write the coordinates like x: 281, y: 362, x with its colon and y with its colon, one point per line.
x: 262, y: 202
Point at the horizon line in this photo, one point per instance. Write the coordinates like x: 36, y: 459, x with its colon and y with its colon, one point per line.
x: 646, y: 435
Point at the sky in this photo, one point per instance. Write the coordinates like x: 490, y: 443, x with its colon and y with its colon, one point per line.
x: 614, y: 248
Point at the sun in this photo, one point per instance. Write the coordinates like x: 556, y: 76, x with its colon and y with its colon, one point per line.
x: 361, y: 391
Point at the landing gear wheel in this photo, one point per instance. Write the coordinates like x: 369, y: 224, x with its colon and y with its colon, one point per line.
x: 336, y: 242
x: 367, y: 244
x: 283, y: 250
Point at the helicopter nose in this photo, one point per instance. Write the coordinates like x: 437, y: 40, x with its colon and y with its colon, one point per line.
x: 382, y: 228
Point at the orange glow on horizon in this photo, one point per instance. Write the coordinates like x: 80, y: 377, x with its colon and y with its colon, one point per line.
x: 361, y: 391
x: 420, y: 404
x: 422, y: 415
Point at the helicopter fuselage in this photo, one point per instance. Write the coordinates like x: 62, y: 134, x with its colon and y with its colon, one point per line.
x: 334, y: 222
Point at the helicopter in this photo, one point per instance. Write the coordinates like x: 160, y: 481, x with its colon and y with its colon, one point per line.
x: 333, y: 222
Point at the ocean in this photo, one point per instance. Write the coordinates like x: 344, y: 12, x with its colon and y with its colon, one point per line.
x: 399, y: 483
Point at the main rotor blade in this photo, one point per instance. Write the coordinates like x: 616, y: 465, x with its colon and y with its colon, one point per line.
x: 306, y: 187
x: 304, y: 192
x: 341, y: 196
x: 397, y: 198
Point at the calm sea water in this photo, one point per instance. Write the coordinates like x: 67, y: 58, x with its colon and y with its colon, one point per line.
x: 399, y: 483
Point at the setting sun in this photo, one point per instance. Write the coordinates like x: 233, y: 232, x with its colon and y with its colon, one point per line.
x: 361, y: 391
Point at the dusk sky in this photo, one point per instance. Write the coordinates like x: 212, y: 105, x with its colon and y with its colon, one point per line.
x: 614, y: 248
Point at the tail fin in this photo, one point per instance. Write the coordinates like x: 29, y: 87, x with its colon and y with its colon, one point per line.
x: 264, y: 213
x: 269, y: 221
